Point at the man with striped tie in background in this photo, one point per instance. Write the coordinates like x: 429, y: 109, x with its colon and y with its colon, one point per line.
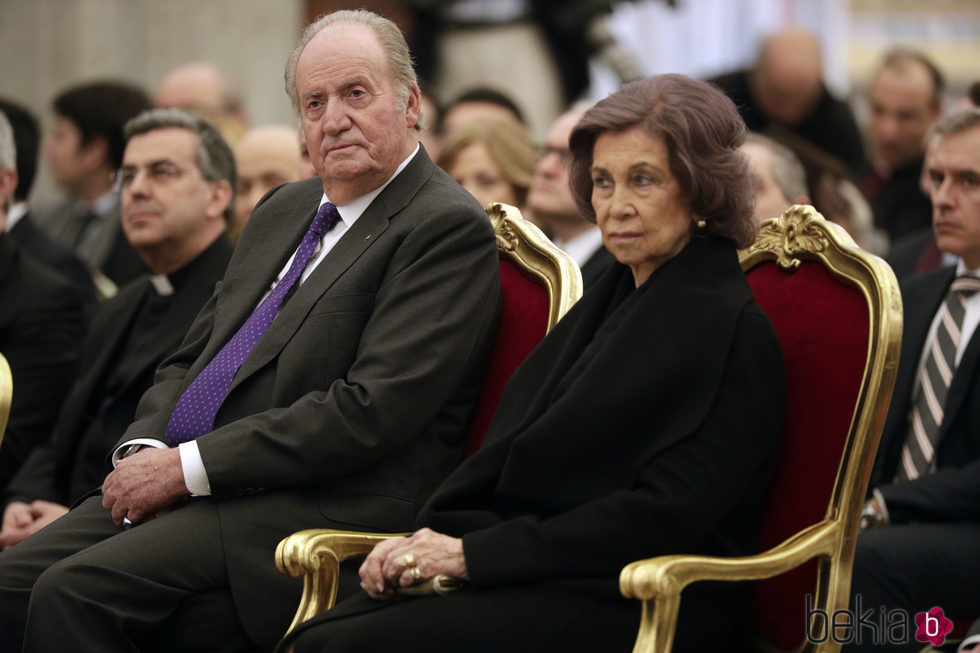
x: 921, y: 526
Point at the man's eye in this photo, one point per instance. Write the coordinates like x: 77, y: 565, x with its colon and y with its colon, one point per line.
x: 163, y: 173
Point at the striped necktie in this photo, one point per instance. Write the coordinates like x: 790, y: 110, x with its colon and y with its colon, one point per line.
x: 194, y: 414
x: 935, y: 376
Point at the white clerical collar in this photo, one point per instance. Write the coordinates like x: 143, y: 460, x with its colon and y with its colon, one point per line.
x: 351, y: 211
x: 14, y: 214
x: 162, y: 285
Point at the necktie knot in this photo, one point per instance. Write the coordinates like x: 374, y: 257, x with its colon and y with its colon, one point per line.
x: 326, y: 219
x: 966, y: 285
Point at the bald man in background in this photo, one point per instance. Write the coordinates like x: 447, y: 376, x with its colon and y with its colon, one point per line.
x: 266, y: 157
x: 201, y: 87
x: 783, y: 95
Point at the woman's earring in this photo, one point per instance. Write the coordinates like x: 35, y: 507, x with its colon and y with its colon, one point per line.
x: 702, y: 224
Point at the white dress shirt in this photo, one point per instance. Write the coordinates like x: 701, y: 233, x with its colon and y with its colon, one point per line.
x: 14, y: 214
x: 583, y: 246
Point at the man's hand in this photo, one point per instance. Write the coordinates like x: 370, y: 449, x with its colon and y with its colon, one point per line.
x: 21, y: 520
x: 17, y: 522
x: 873, y: 514
x: 144, y: 485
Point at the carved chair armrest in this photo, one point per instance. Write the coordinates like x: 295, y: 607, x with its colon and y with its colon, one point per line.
x: 315, y: 555
x: 658, y: 582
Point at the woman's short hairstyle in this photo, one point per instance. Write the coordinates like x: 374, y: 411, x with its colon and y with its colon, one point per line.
x: 508, y: 143
x: 701, y: 130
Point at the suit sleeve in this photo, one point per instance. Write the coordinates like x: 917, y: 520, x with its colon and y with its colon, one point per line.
x: 41, y: 346
x: 952, y: 494
x: 681, y: 497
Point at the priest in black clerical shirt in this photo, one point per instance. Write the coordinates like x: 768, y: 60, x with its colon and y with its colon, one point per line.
x: 175, y: 205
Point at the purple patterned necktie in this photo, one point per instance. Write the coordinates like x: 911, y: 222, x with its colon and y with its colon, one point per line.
x: 195, y: 411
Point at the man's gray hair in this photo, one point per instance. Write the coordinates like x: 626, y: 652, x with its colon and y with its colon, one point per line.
x: 389, y: 35
x: 214, y: 158
x: 8, y: 151
x: 787, y: 170
x: 958, y: 122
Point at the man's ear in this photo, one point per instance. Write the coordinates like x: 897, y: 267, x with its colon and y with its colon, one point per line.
x: 8, y: 183
x: 414, y: 107
x: 95, y: 153
x: 221, y: 197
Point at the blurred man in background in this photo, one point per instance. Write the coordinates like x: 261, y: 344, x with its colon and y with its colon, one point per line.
x: 783, y: 95
x: 549, y: 201
x: 265, y: 157
x: 84, y: 150
x: 40, y: 327
x: 906, y: 101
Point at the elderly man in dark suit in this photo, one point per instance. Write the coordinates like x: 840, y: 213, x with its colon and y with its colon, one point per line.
x: 922, y: 523
x: 327, y: 382
x: 131, y: 333
x: 40, y: 327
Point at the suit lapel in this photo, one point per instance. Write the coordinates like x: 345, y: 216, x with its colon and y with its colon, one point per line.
x: 254, y: 273
x: 921, y: 301
x: 354, y: 243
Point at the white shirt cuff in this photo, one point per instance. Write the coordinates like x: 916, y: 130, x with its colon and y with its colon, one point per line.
x: 117, y: 455
x: 195, y: 476
x: 876, y: 493
x: 967, y: 643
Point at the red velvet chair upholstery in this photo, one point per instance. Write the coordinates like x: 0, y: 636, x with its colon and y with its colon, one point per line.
x: 540, y: 283
x: 837, y: 313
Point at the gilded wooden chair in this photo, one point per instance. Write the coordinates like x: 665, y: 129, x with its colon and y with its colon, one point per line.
x: 6, y: 393
x: 540, y: 283
x: 838, y: 315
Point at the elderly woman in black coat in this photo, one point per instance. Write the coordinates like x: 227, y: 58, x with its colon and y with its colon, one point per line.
x: 646, y: 423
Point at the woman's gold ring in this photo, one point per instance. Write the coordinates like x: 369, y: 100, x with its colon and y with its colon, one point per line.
x: 407, y: 560
x: 416, y: 574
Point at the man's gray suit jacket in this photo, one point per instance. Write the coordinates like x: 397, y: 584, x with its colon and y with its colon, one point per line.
x: 354, y: 405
